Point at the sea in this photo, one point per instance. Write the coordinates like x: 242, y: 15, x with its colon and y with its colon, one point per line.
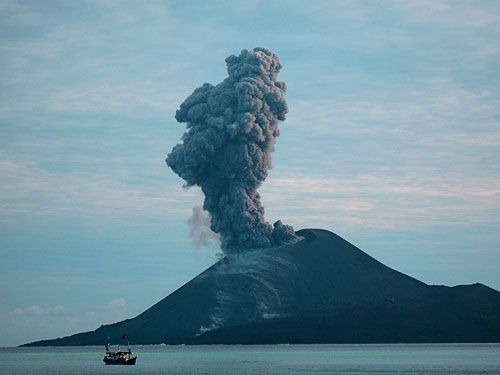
x: 260, y: 359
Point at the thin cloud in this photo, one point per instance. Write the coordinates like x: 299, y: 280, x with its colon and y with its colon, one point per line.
x: 34, y: 310
x: 384, y: 201
x: 37, y: 192
x: 117, y: 303
x: 37, y: 310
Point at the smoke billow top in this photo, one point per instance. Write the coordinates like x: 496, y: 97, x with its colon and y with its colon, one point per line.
x: 232, y: 128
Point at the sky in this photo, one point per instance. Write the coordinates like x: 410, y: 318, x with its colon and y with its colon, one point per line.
x: 392, y: 141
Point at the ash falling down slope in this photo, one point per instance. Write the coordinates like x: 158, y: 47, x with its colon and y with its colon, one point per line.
x: 321, y: 289
x: 276, y: 285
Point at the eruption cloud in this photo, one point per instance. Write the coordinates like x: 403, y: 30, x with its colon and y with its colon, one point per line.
x: 232, y: 129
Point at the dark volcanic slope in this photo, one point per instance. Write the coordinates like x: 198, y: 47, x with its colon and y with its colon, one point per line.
x: 321, y: 289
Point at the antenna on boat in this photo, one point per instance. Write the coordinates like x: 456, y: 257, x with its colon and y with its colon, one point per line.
x: 124, y: 337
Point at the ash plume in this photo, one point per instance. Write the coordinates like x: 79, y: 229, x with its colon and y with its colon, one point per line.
x: 232, y: 129
x: 199, y: 228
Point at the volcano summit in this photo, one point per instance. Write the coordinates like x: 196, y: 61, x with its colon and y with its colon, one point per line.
x: 321, y: 289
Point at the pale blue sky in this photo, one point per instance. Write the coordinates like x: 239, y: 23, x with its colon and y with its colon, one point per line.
x: 392, y: 141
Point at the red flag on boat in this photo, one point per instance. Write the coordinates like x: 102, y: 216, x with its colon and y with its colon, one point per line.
x: 124, y: 337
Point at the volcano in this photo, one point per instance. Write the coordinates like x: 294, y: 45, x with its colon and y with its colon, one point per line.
x: 321, y: 289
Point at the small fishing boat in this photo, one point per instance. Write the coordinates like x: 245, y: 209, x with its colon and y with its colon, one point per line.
x: 119, y: 357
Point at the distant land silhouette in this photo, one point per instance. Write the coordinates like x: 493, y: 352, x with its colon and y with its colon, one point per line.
x: 321, y: 289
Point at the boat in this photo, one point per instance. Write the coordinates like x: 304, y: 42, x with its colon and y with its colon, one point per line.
x: 119, y: 357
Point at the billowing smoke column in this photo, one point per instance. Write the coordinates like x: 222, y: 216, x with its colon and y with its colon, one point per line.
x: 232, y: 128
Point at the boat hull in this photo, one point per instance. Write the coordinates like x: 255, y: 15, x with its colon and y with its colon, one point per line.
x: 125, y: 361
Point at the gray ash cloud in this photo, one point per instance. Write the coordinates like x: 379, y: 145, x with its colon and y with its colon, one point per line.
x: 226, y: 150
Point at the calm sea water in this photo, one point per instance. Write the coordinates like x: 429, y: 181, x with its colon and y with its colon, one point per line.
x: 261, y: 360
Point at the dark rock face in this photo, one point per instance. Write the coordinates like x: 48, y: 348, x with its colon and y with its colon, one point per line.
x: 319, y: 290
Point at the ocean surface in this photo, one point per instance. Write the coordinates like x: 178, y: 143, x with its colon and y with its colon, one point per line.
x: 261, y: 359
